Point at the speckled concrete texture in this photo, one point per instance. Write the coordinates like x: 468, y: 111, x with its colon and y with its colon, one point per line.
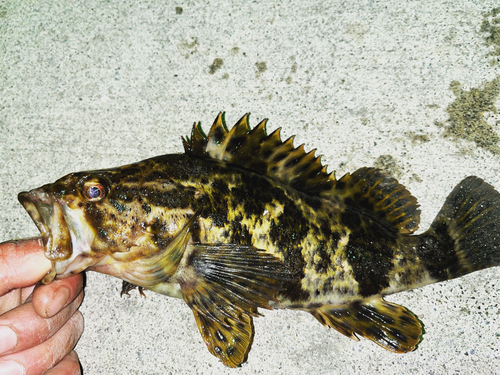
x: 409, y: 86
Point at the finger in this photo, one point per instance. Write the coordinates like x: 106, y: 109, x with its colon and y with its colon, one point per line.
x: 70, y: 365
x: 22, y: 328
x: 49, y: 299
x: 39, y: 359
x: 14, y: 298
x: 22, y: 263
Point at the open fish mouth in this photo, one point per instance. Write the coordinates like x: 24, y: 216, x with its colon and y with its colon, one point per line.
x: 66, y: 238
x: 47, y: 213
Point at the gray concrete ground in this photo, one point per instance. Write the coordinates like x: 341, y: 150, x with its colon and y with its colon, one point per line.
x: 408, y: 86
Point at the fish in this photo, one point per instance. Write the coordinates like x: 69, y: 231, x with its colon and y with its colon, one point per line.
x: 243, y: 221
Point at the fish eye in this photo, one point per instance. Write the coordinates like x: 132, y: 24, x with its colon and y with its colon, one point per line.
x: 93, y: 190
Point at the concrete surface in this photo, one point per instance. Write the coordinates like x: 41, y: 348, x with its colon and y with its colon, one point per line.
x: 409, y: 86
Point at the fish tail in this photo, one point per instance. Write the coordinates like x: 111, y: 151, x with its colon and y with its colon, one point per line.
x: 465, y: 236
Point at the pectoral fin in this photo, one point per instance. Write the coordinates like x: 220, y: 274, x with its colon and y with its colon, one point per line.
x: 224, y: 285
x: 391, y: 326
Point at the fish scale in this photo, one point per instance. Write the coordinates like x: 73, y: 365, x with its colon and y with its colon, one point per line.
x: 243, y: 221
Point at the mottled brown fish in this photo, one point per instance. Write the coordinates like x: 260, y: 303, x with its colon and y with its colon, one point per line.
x: 243, y: 221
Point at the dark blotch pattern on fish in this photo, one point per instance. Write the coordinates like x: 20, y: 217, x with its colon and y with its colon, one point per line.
x: 370, y: 251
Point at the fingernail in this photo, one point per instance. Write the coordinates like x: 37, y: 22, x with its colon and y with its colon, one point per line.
x: 11, y: 368
x: 58, y: 301
x: 8, y: 339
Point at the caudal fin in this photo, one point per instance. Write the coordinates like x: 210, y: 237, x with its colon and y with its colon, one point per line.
x: 465, y: 236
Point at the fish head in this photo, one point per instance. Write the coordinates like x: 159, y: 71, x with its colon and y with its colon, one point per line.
x: 60, y: 211
x: 107, y: 219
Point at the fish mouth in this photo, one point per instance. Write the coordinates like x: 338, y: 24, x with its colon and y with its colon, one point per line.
x: 65, y: 239
x: 47, y: 214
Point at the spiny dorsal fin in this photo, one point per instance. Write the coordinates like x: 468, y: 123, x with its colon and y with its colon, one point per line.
x: 266, y: 154
x: 379, y: 193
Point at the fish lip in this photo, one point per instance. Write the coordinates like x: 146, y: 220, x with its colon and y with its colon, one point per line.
x: 34, y: 209
x: 47, y: 214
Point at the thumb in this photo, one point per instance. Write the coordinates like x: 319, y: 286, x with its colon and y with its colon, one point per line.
x: 22, y: 263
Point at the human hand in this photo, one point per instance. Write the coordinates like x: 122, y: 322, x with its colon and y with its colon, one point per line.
x: 39, y: 325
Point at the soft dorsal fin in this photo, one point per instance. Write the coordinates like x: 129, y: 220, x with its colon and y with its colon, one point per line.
x: 266, y: 154
x: 377, y: 192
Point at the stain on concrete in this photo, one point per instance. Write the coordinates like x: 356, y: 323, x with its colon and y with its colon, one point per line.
x: 261, y: 66
x: 491, y: 26
x: 472, y: 114
x: 467, y: 115
x: 356, y: 30
x: 188, y: 47
x: 432, y: 106
x: 389, y: 164
x: 216, y: 65
x: 415, y: 177
x: 293, y: 70
x: 417, y: 137
x: 178, y: 10
x: 235, y: 50
x: 3, y: 12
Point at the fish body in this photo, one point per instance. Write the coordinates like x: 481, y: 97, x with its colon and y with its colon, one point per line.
x: 243, y: 221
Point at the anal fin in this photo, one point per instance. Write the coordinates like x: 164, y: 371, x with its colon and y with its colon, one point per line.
x: 391, y: 326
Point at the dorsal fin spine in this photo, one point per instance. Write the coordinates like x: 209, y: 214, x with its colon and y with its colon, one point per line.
x: 260, y: 128
x: 266, y: 154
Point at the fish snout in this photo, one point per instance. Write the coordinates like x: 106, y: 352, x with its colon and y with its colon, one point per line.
x: 47, y: 214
